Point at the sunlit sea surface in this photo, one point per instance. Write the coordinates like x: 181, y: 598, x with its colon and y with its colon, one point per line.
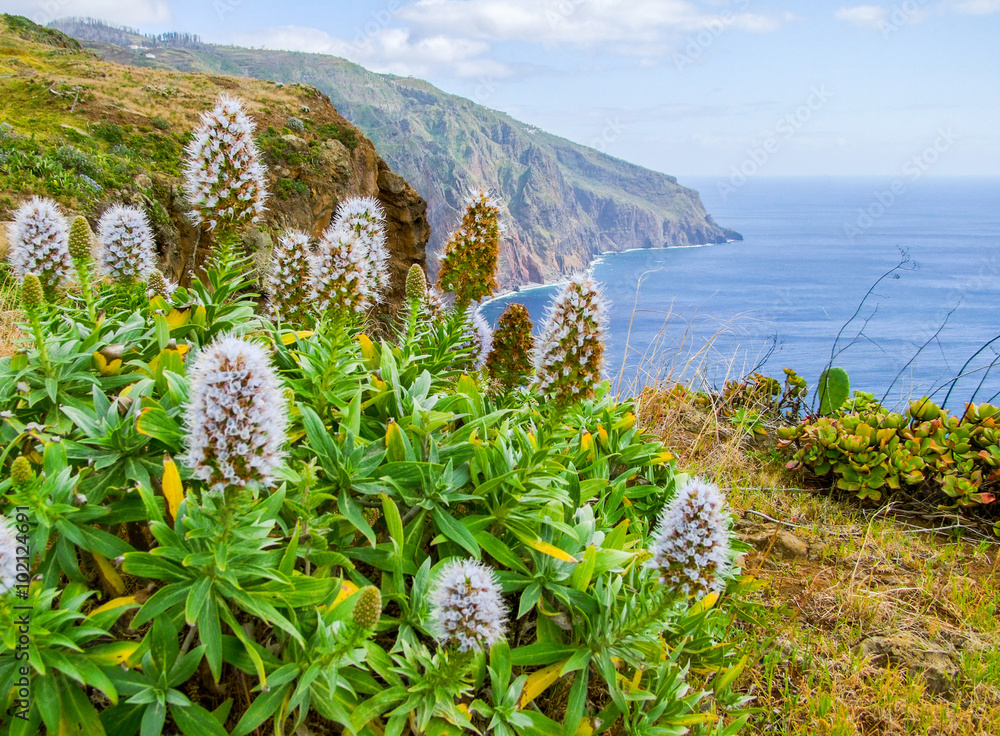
x: 812, y: 249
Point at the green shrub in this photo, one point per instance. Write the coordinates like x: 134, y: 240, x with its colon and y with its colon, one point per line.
x: 278, y: 510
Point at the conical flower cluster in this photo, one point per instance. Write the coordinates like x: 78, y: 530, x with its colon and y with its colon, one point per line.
x: 468, y: 269
x: 509, y: 361
x: 159, y: 285
x: 235, y: 417
x: 479, y: 337
x: 365, y: 217
x: 416, y: 285
x: 223, y: 175
x: 691, y: 545
x: 39, y: 243
x: 288, y: 282
x: 8, y: 555
x: 340, y: 278
x: 466, y: 606
x: 128, y: 253
x: 81, y: 240
x: 571, y: 349
x: 368, y: 608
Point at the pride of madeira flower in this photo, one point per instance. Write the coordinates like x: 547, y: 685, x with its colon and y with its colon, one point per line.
x: 468, y: 269
x: 340, y: 278
x: 365, y: 217
x: 691, y: 545
x: 288, y: 281
x: 235, y: 417
x: 127, y: 249
x: 466, y: 606
x: 571, y: 349
x: 223, y: 174
x: 39, y: 243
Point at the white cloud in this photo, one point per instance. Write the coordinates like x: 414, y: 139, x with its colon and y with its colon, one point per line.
x: 867, y: 16
x: 132, y: 13
x: 976, y: 7
x: 389, y: 50
x: 581, y: 22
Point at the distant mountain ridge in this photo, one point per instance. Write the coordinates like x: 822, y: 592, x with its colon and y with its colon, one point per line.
x: 564, y: 203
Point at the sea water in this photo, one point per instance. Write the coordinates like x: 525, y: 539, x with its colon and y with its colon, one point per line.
x: 896, y: 281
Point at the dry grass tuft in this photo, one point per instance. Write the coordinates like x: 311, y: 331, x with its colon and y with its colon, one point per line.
x: 865, y: 624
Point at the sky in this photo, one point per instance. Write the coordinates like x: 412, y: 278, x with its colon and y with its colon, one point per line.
x: 722, y: 88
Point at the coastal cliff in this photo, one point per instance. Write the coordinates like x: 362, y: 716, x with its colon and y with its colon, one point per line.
x: 563, y: 203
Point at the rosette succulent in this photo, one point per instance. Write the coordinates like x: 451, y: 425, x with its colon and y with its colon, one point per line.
x: 288, y: 281
x: 39, y: 243
x: 235, y: 417
x: 466, y: 606
x: 691, y: 545
x: 128, y: 253
x: 223, y: 174
x: 570, y: 352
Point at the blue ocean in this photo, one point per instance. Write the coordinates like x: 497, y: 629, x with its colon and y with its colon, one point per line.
x: 896, y: 281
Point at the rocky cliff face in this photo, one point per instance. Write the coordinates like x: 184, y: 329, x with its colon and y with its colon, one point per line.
x: 564, y: 203
x: 123, y: 131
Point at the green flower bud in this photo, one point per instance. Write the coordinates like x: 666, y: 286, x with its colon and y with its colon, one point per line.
x: 21, y: 472
x: 416, y: 284
x: 157, y: 285
x: 81, y: 239
x: 32, y: 296
x: 368, y: 609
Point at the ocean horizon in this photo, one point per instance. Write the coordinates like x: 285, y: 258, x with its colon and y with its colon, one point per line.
x: 917, y: 260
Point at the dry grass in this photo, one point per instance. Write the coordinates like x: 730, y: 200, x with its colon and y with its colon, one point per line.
x: 835, y: 576
x: 10, y: 315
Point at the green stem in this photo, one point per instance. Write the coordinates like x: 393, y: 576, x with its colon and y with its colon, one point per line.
x: 88, y: 295
x: 39, y: 334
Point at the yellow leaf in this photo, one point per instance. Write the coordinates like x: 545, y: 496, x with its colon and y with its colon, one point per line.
x: 665, y: 457
x: 289, y: 337
x: 109, y: 574
x: 585, y: 728
x: 626, y: 422
x: 115, y: 653
x: 602, y: 437
x: 368, y: 351
x: 545, y: 548
x: 173, y: 490
x: 347, y: 589
x: 128, y: 600
x: 178, y: 318
x: 127, y: 390
x: 587, y: 444
x: 704, y: 604
x: 112, y: 368
x: 538, y: 682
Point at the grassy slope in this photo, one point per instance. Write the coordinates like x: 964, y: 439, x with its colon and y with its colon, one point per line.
x: 865, y: 574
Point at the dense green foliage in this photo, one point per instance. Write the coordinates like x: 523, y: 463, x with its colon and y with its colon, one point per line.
x: 159, y: 603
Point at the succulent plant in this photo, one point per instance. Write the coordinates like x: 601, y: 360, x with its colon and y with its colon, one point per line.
x: 128, y: 253
x: 39, y: 244
x: 509, y: 360
x: 235, y: 417
x: 468, y: 269
x: 288, y: 281
x: 223, y: 174
x: 570, y: 352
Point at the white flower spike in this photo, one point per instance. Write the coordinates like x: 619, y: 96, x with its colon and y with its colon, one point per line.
x: 467, y: 608
x: 128, y: 253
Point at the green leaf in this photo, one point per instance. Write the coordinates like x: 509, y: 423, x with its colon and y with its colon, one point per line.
x: 541, y: 654
x: 193, y: 720
x: 352, y: 511
x: 196, y: 599
x: 455, y: 531
x: 263, y: 707
x: 210, y: 632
